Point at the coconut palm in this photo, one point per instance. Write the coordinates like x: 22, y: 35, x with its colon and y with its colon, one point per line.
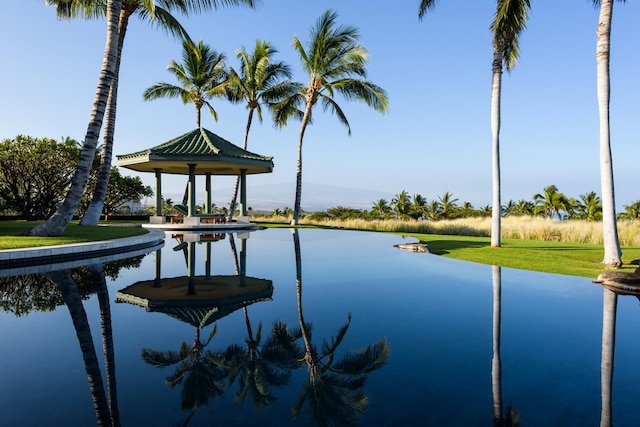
x: 202, y: 76
x: 418, y: 208
x: 590, y: 206
x: 551, y: 202
x: 336, y: 63
x: 57, y: 223
x: 381, y: 209
x: 158, y: 14
x: 447, y: 204
x: 609, y: 308
x: 508, y: 23
x: 99, y: 280
x: 401, y: 204
x: 199, y: 371
x: 434, y: 210
x: 524, y: 207
x: 632, y: 211
x: 260, y: 82
x: 612, y: 251
x: 253, y: 368
x: 334, y: 390
x: 66, y: 285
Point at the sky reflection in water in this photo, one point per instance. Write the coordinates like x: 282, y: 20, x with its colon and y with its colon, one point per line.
x: 466, y: 340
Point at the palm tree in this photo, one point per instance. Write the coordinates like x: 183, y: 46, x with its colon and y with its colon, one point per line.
x: 259, y: 82
x: 434, y: 210
x: 59, y: 221
x: 381, y: 209
x: 146, y: 11
x: 401, y: 203
x: 509, y: 208
x: 199, y: 371
x: 632, y: 211
x: 418, y: 208
x: 609, y: 308
x: 334, y: 390
x: 335, y: 62
x: 66, y: 285
x: 590, y: 206
x: 253, y: 368
x: 468, y: 210
x: 201, y: 76
x: 157, y: 12
x: 524, y: 207
x: 447, y: 204
x: 508, y: 23
x: 551, y: 203
x: 612, y: 252
x: 102, y: 290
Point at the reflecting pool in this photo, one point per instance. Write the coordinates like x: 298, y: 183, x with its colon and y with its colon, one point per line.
x: 331, y: 327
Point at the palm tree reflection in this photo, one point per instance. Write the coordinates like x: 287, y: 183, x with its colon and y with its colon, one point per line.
x: 63, y: 280
x: 333, y: 391
x: 511, y: 418
x: 200, y: 372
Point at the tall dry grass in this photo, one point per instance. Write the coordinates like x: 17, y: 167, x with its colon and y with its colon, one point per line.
x: 529, y: 228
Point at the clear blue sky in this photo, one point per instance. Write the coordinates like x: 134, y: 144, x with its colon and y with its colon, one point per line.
x: 437, y: 72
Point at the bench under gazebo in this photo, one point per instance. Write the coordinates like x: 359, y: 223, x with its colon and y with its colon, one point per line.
x: 198, y: 152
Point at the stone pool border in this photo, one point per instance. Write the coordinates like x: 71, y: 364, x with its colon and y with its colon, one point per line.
x: 23, y: 258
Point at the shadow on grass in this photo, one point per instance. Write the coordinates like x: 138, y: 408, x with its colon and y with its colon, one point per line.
x: 442, y: 247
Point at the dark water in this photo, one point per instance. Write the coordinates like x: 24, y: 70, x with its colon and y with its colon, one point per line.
x: 430, y: 342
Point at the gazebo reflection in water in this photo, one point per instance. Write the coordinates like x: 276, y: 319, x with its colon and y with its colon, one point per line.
x: 212, y: 296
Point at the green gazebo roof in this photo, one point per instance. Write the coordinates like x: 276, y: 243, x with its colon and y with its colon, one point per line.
x: 211, y: 154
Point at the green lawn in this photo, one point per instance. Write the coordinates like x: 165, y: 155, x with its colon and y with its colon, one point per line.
x: 11, y: 238
x: 572, y: 259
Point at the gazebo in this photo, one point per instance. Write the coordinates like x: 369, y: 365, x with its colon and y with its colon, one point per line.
x: 198, y: 152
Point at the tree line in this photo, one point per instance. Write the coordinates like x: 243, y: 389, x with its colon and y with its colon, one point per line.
x: 550, y: 203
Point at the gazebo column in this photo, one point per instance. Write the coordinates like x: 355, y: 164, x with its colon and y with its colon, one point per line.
x: 208, y: 192
x: 158, y: 217
x: 243, y: 218
x: 191, y: 218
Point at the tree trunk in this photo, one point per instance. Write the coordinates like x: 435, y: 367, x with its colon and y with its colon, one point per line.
x: 55, y: 225
x: 303, y: 126
x: 234, y: 196
x: 610, y: 301
x: 92, y: 215
x: 496, y: 363
x: 97, y: 274
x: 72, y: 298
x: 496, y: 87
x: 612, y: 252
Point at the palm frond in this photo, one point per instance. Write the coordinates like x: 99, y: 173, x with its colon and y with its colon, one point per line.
x: 364, y: 361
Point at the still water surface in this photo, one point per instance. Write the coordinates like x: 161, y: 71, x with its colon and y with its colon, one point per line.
x: 410, y: 339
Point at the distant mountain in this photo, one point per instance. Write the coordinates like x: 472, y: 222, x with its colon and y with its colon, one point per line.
x: 315, y: 197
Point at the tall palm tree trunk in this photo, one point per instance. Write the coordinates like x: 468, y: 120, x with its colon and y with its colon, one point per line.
x: 234, y: 196
x: 609, y: 301
x: 58, y: 222
x: 97, y: 274
x: 72, y: 298
x: 496, y: 87
x: 496, y: 363
x: 612, y: 252
x: 303, y: 126
x: 92, y: 215
x: 309, y: 354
